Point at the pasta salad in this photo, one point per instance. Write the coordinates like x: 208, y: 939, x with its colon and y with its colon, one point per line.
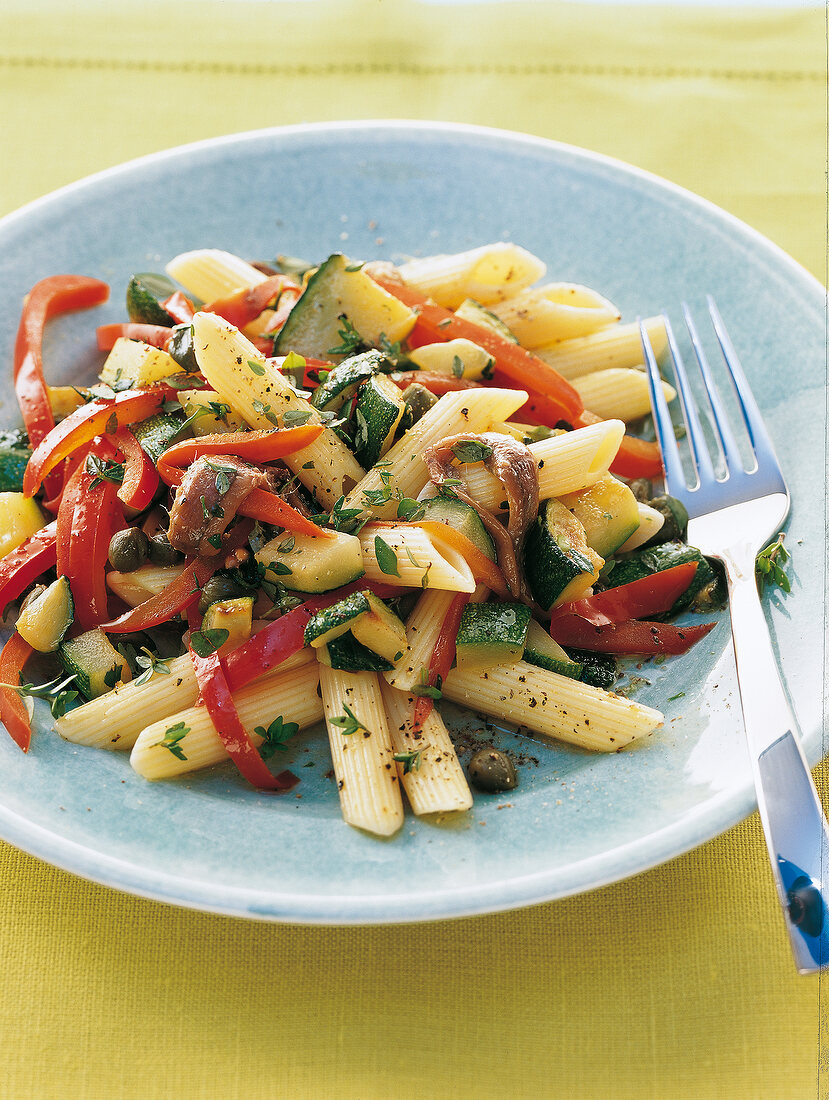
x: 342, y: 492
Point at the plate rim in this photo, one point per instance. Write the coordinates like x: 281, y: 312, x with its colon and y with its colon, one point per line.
x: 719, y: 813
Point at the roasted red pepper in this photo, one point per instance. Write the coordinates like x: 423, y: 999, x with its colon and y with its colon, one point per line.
x: 155, y: 335
x: 179, y: 307
x: 141, y: 479
x: 245, y: 304
x: 442, y: 657
x: 636, y: 637
x: 81, y: 426
x: 24, y: 565
x: 651, y: 595
x: 435, y: 383
x: 635, y: 457
x: 13, y: 712
x: 95, y: 517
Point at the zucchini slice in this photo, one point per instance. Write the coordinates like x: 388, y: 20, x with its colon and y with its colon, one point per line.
x: 20, y: 518
x: 608, y: 511
x: 335, y: 291
x: 492, y: 634
x: 597, y: 669
x: 215, y: 416
x: 157, y: 432
x: 706, y: 589
x: 460, y: 358
x: 348, y: 655
x: 13, y: 463
x: 380, y: 406
x: 464, y: 518
x: 541, y: 650
x: 44, y: 622
x: 380, y: 630
x: 326, y: 625
x: 95, y: 662
x: 470, y: 310
x: 344, y: 380
x: 145, y: 293
x: 559, y: 564
x: 309, y: 563
x: 235, y: 616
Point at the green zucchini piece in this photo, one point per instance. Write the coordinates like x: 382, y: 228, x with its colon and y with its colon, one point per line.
x: 235, y: 616
x: 95, y: 662
x: 330, y: 622
x: 417, y: 400
x: 675, y: 526
x: 380, y: 630
x: 470, y: 310
x: 380, y: 406
x: 559, y: 564
x: 44, y: 622
x: 706, y: 589
x: 157, y: 432
x: 491, y: 634
x: 608, y: 511
x: 145, y: 293
x: 541, y: 650
x: 311, y: 563
x: 339, y: 291
x: 597, y: 669
x: 349, y: 655
x: 344, y: 380
x: 464, y: 518
x: 13, y: 462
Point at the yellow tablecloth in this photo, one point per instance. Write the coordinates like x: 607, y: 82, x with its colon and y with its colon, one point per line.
x: 676, y: 984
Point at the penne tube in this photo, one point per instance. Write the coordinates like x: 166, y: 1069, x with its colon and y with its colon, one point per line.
x: 553, y: 706
x: 291, y: 694
x: 403, y: 469
x: 650, y: 521
x: 423, y: 560
x: 264, y: 398
x: 619, y: 393
x: 616, y: 346
x: 136, y: 587
x: 431, y: 774
x: 557, y: 311
x: 364, y: 765
x: 487, y: 274
x: 114, y: 720
x: 566, y: 463
x: 422, y: 629
x: 210, y: 273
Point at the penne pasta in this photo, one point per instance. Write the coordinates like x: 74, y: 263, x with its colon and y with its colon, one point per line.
x: 291, y: 694
x: 650, y: 522
x: 364, y: 765
x: 136, y: 587
x: 430, y: 771
x: 210, y: 273
x: 423, y: 560
x: 618, y: 393
x: 263, y: 397
x: 566, y: 463
x: 488, y: 274
x: 557, y: 311
x: 615, y: 346
x: 553, y: 706
x: 422, y: 629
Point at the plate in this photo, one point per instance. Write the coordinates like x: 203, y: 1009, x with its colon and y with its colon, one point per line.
x: 577, y: 821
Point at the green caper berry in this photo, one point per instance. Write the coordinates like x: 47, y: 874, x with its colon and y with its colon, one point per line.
x: 492, y: 770
x: 161, y: 552
x: 128, y: 550
x: 218, y: 588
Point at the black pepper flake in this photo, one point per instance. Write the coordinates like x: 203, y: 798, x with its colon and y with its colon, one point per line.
x: 340, y: 784
x: 239, y: 360
x: 541, y: 464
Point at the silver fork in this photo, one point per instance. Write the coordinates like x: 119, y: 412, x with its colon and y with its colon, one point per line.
x: 732, y: 518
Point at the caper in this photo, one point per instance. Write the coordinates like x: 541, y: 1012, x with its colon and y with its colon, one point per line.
x: 418, y: 401
x: 128, y: 550
x: 492, y: 770
x: 219, y: 588
x: 676, y: 520
x: 161, y: 552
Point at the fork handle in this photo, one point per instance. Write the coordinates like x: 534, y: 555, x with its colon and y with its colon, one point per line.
x: 794, y: 824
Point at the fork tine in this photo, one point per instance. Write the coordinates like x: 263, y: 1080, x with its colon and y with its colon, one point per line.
x: 696, y: 437
x: 730, y: 450
x: 674, y: 474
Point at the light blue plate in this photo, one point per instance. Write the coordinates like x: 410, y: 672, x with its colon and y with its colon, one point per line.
x: 576, y: 821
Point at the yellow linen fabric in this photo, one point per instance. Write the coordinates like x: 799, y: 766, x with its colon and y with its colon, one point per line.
x: 677, y: 984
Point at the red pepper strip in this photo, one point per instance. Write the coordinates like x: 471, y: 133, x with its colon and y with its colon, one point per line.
x: 216, y: 696
x: 635, y: 637
x: 287, y: 300
x: 93, y: 524
x: 442, y: 657
x: 141, y: 478
x: 156, y: 335
x: 244, y: 305
x: 635, y: 457
x: 13, y: 712
x: 180, y: 593
x: 516, y: 363
x: 271, y: 508
x: 179, y: 307
x: 83, y: 425
x: 310, y: 376
x: 66, y: 515
x: 285, y: 636
x: 25, y: 564
x: 262, y: 446
x: 639, y: 599
x: 435, y: 383
x: 484, y: 570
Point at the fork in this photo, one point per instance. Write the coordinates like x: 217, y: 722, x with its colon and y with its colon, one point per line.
x: 731, y: 518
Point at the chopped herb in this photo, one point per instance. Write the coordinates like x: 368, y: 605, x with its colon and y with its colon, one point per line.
x: 280, y: 569
x: 352, y: 341
x: 410, y: 509
x: 678, y: 695
x: 349, y: 722
x: 386, y: 557
x: 172, y: 736
x: 112, y: 677
x: 346, y: 519
x: 471, y: 451
x: 446, y: 321
x: 410, y: 760
x: 286, y: 545
x: 308, y: 465
x: 457, y: 366
x: 219, y: 409
x: 257, y: 368
x: 361, y: 434
x: 293, y: 361
x: 205, y: 511
x: 770, y: 563
x: 294, y: 418
x: 205, y: 642
x: 112, y: 424
x: 265, y: 410
x: 55, y: 692
x: 275, y: 736
x: 148, y: 660
x: 356, y: 267
x: 103, y: 470
x: 215, y: 541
